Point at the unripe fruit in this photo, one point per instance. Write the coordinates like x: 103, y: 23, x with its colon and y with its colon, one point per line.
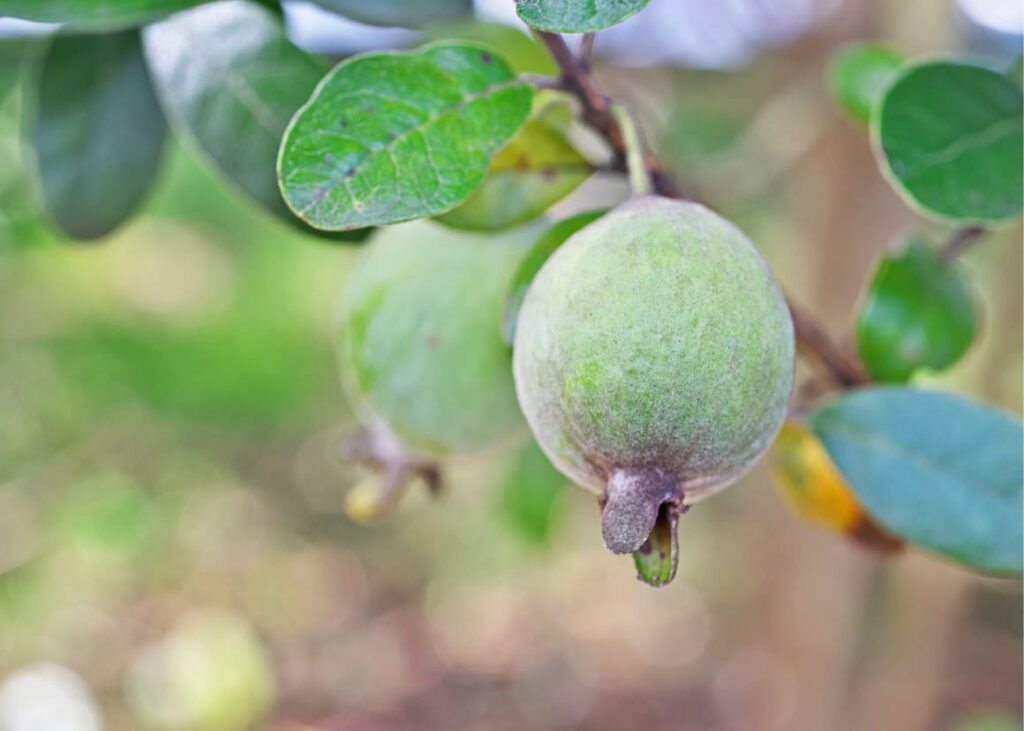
x: 421, y: 352
x: 653, y: 361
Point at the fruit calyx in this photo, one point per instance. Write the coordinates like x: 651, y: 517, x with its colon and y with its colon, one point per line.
x: 392, y: 469
x: 640, y: 515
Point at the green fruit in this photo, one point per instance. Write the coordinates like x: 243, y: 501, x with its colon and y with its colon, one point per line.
x: 654, y: 359
x: 421, y: 350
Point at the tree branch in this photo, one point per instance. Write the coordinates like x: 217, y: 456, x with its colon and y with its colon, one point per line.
x: 813, y: 341
x: 961, y: 240
x: 596, y: 111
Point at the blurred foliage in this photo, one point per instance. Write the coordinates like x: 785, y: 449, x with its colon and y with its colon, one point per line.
x: 859, y: 74
x: 987, y: 722
x: 92, y: 177
x: 917, y: 314
x: 531, y: 495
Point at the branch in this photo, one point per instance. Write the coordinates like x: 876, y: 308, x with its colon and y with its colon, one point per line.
x: 961, y: 240
x: 597, y: 112
x: 812, y: 340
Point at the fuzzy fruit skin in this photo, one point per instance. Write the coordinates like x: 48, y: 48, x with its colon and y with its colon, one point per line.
x: 654, y: 353
x: 420, y: 347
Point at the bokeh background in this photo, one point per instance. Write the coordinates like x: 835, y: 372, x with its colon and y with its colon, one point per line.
x: 173, y: 550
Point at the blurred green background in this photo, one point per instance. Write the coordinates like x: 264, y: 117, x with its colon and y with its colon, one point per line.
x: 173, y: 551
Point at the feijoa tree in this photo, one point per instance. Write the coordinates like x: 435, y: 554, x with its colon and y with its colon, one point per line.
x: 649, y: 348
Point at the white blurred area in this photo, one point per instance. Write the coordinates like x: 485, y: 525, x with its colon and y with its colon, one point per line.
x: 322, y: 31
x: 692, y: 33
x: 714, y: 35
x: 685, y: 33
x: 1002, y: 16
x: 18, y: 28
x: 47, y: 697
x: 992, y: 27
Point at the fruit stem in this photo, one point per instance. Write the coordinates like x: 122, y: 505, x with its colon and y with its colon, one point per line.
x: 640, y: 514
x: 640, y: 180
x: 394, y: 468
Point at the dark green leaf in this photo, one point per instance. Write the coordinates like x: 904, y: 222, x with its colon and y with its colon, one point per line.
x: 576, y: 16
x: 227, y: 75
x: 97, y: 131
x: 917, y: 314
x: 936, y: 469
x: 532, y: 263
x: 859, y: 74
x: 535, y: 170
x: 949, y: 137
x: 408, y: 13
x: 94, y: 15
x: 530, y: 495
x: 390, y: 137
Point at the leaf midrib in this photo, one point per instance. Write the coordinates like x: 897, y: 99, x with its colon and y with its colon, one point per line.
x: 918, y: 459
x: 964, y: 145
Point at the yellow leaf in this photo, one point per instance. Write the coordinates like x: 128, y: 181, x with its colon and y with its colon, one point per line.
x: 806, y: 477
x: 811, y: 483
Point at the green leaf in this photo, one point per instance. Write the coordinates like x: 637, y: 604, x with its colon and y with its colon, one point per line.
x: 949, y: 138
x: 390, y: 137
x: 94, y: 15
x: 657, y: 559
x: 535, y: 170
x: 521, y: 51
x: 530, y: 494
x: 408, y: 13
x: 532, y: 262
x: 230, y: 79
x: 15, y: 54
x: 859, y: 74
x: 97, y: 131
x: 21, y: 219
x: 936, y: 469
x: 917, y: 314
x: 576, y: 16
